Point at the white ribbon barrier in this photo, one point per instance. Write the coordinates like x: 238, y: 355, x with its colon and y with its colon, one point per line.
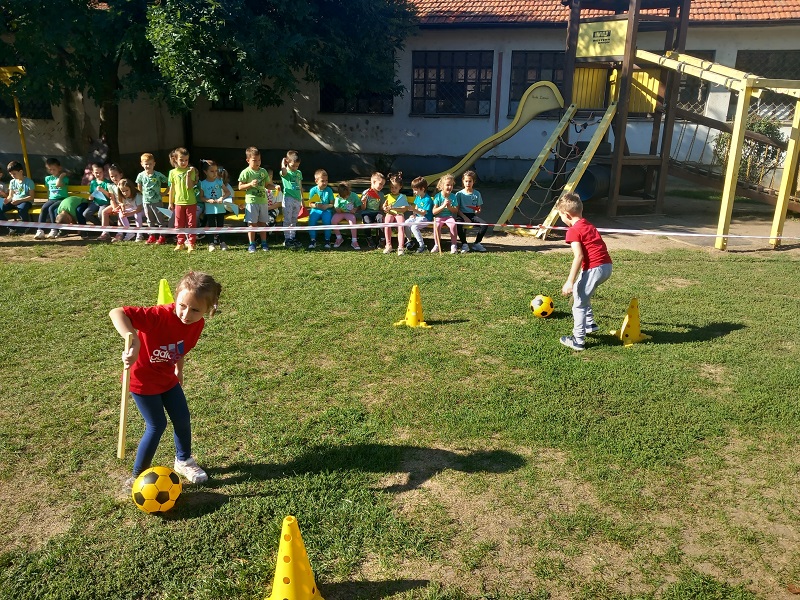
x: 344, y: 225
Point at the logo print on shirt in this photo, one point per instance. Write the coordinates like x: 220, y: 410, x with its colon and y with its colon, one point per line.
x: 169, y: 353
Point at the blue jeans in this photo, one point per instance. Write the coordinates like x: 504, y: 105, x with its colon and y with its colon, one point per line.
x: 582, y: 293
x: 22, y: 210
x: 47, y: 210
x: 313, y: 218
x: 152, y: 409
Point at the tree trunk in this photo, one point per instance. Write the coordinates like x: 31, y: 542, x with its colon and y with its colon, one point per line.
x: 109, y: 127
x: 109, y: 114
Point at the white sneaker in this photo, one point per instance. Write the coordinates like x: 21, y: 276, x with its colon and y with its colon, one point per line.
x: 223, y: 246
x: 435, y: 249
x: 129, y: 237
x: 140, y: 237
x: 53, y: 233
x: 211, y: 247
x: 478, y: 247
x: 454, y: 249
x: 189, y: 469
x: 464, y: 248
x: 39, y: 234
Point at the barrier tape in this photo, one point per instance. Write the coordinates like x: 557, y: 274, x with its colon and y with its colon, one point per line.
x: 344, y: 225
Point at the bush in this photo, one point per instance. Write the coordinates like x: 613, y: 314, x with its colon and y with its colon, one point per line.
x: 757, y: 157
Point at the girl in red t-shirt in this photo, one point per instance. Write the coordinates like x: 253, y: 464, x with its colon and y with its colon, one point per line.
x: 165, y: 334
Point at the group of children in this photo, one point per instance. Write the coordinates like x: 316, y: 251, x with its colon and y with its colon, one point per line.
x: 191, y: 198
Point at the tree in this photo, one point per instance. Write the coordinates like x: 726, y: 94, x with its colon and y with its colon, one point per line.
x: 178, y: 51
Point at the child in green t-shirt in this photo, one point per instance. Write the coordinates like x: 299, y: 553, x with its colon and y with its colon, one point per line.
x: 292, y: 180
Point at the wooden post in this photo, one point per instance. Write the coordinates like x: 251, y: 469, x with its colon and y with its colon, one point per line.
x: 621, y: 121
x: 788, y: 179
x: 734, y: 160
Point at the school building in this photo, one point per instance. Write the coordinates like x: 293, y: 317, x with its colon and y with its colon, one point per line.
x: 464, y: 72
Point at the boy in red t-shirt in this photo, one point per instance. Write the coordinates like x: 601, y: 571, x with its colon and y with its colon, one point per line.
x: 591, y: 266
x: 165, y: 335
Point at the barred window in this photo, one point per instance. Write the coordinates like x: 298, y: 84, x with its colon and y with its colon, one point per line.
x: 452, y: 83
x: 774, y: 65
x: 529, y: 67
x: 230, y: 104
x: 29, y: 109
x: 693, y: 91
x: 333, y: 100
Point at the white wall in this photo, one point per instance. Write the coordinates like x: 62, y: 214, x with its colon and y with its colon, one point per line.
x: 145, y: 126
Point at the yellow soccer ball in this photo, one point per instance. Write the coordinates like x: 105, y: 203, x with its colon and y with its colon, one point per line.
x: 156, y: 490
x: 542, y: 306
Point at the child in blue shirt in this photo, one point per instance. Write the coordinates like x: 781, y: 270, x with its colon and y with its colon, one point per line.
x: 212, y: 192
x: 20, y: 195
x: 346, y: 206
x: 470, y: 204
x: 423, y: 212
x: 445, y: 209
x: 321, y: 208
x: 56, y: 183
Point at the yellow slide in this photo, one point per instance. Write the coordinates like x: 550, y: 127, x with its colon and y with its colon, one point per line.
x: 538, y: 98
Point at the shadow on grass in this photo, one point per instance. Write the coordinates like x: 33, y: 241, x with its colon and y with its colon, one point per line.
x: 370, y: 590
x: 681, y: 333
x: 417, y: 463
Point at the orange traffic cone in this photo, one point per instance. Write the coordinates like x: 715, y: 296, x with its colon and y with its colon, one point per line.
x: 294, y: 579
x: 631, y: 330
x: 414, y: 311
x: 164, y: 293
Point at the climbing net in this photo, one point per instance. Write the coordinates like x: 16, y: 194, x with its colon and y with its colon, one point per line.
x: 538, y: 197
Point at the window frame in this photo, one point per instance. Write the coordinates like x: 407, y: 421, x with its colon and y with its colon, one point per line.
x: 331, y: 98
x: 442, y: 81
x: 517, y: 88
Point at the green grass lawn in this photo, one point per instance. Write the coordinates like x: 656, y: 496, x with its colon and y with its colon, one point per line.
x: 475, y: 459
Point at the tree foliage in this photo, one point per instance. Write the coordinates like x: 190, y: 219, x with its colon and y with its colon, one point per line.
x: 178, y: 51
x: 257, y: 51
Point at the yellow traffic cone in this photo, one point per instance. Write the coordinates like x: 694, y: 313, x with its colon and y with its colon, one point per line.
x: 294, y: 579
x: 631, y: 330
x: 164, y: 293
x: 414, y: 311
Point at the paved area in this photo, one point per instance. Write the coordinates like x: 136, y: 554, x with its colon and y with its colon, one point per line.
x: 680, y: 215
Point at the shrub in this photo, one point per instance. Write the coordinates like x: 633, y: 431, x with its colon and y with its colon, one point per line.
x: 757, y: 157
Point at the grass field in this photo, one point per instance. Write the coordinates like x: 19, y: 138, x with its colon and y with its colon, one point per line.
x: 476, y: 459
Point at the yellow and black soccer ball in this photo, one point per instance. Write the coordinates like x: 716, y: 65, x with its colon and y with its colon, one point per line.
x: 542, y: 306
x: 156, y: 490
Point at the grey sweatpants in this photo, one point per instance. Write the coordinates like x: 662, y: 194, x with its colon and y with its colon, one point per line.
x: 582, y: 293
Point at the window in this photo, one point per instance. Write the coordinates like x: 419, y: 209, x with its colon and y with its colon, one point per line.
x: 528, y: 68
x: 30, y: 109
x: 333, y: 100
x: 693, y: 91
x: 227, y: 104
x: 774, y: 65
x: 452, y: 83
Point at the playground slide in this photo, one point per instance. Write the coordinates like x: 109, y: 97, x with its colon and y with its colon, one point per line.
x: 538, y: 98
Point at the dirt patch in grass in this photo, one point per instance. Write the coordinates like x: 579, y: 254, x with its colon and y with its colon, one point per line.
x: 545, y: 527
x: 40, y: 252
x: 29, y: 515
x: 674, y: 283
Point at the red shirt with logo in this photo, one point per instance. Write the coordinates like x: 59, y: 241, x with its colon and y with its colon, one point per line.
x: 595, y: 252
x: 165, y: 339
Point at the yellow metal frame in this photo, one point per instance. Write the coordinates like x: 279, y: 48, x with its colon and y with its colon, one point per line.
x: 747, y: 86
x: 6, y: 76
